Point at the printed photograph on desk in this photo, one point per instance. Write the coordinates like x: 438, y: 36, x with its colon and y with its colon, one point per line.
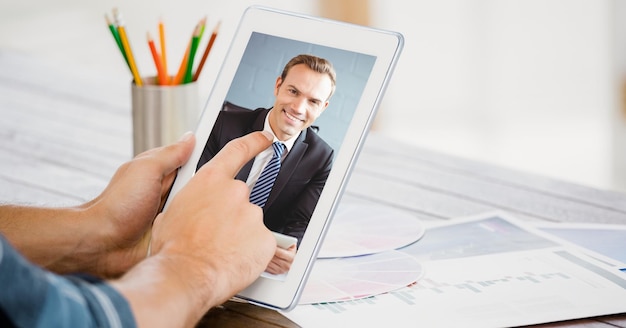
x: 305, y: 95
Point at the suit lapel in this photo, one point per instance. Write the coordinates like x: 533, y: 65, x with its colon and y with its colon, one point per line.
x: 288, y: 166
x: 256, y: 126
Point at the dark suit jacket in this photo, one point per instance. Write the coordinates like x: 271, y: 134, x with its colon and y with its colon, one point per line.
x: 301, y: 178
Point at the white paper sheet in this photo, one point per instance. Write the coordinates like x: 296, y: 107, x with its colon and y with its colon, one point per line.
x: 485, y: 271
x: 606, y: 242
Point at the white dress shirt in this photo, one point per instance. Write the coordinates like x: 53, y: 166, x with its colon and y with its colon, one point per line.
x: 261, y: 160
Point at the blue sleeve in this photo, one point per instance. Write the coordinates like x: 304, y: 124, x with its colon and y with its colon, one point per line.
x: 33, y: 297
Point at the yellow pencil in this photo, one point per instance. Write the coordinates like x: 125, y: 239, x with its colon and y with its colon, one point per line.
x: 129, y: 53
x: 116, y: 36
x: 163, y: 52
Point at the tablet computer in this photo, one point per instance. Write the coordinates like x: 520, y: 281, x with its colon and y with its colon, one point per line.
x: 252, y: 92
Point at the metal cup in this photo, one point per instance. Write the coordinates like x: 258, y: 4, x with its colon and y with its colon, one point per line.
x: 161, y: 114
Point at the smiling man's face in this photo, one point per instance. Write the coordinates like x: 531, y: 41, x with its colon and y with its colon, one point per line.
x: 300, y: 99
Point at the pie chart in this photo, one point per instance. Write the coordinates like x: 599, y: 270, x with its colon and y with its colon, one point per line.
x: 350, y: 278
x: 360, y: 229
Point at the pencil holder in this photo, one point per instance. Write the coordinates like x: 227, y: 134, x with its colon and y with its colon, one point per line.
x: 162, y: 113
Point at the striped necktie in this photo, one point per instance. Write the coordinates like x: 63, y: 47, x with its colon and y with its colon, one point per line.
x: 263, y: 186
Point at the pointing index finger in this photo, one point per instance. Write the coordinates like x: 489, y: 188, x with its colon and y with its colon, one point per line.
x: 232, y: 157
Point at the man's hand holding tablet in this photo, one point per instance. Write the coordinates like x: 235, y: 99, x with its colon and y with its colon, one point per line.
x: 319, y: 149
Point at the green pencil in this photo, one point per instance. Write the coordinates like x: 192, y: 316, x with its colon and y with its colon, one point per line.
x: 192, y: 52
x: 116, y: 36
x: 202, y: 25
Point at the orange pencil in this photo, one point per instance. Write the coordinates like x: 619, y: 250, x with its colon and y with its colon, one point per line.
x: 163, y: 52
x: 207, y: 50
x: 182, y: 69
x: 178, y: 79
x: 161, y: 76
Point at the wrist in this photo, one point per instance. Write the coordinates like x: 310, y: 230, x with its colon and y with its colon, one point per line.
x: 74, y: 247
x: 176, y: 286
x: 200, y: 277
x: 109, y: 251
x: 49, y: 237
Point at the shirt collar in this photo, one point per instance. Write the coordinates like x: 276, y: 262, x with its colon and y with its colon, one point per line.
x: 288, y: 143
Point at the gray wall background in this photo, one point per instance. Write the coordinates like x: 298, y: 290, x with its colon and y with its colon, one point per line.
x: 263, y: 61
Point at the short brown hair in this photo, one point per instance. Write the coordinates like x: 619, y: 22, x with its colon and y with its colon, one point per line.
x: 315, y: 63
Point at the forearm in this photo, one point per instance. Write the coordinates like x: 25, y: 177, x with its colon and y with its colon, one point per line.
x: 49, y: 237
x: 176, y: 287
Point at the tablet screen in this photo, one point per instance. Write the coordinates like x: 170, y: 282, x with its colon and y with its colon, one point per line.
x: 315, y: 84
x: 263, y: 60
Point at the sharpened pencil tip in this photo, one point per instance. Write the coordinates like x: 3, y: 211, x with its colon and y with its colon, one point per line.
x: 117, y: 17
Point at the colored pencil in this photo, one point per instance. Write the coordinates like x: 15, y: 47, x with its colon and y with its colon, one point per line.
x: 182, y: 69
x: 116, y: 36
x: 185, y: 73
x: 206, y: 51
x: 180, y: 75
x: 202, y: 25
x: 161, y: 77
x: 129, y: 53
x: 163, y: 48
x: 192, y: 52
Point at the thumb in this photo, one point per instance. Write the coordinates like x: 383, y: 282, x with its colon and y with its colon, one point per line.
x: 171, y: 157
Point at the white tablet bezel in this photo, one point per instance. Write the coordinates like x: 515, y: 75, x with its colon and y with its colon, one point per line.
x: 386, y: 46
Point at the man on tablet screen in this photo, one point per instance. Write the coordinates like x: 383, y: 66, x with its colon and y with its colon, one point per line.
x: 302, y: 92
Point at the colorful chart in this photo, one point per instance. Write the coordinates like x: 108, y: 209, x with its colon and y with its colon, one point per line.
x: 359, y: 229
x: 351, y: 278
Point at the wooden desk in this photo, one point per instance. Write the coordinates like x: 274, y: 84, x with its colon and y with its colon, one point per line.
x: 63, y: 134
